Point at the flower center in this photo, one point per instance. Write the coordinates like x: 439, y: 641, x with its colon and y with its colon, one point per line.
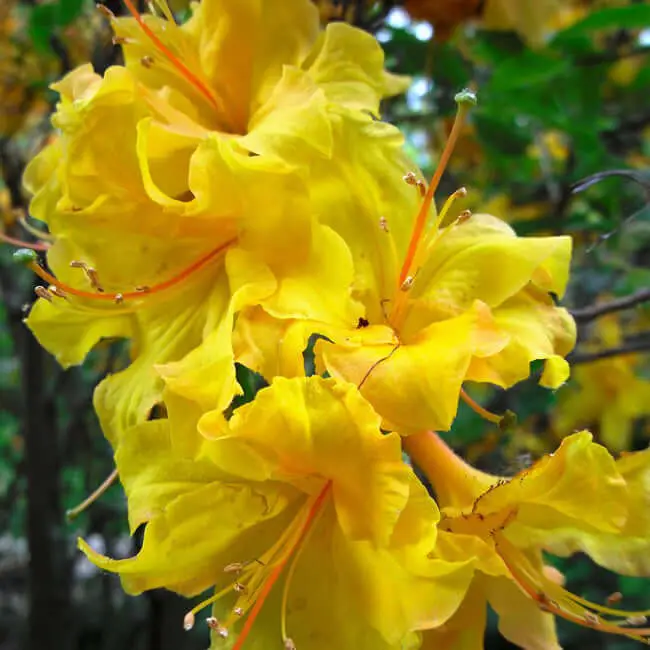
x: 255, y: 579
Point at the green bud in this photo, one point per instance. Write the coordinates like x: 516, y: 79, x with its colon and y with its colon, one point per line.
x: 25, y: 256
x: 466, y: 96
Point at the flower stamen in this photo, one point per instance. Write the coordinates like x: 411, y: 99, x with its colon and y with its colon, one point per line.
x: 556, y: 600
x: 171, y: 57
x: 119, y: 297
x: 256, y: 578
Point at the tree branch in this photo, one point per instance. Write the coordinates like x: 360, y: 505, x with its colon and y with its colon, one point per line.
x: 633, y: 347
x: 619, y: 304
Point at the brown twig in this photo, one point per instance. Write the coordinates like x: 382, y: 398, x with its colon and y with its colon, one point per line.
x: 619, y: 304
x: 626, y: 348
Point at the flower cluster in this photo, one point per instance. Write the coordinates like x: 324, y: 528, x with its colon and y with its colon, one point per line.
x: 230, y: 196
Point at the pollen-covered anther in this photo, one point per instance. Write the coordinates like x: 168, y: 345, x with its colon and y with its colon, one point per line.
x: 410, y: 178
x: 240, y: 588
x: 222, y: 632
x: 43, y: 292
x: 212, y: 622
x: 91, y: 274
x: 188, y: 621
x: 464, y: 216
x: 143, y: 288
x: 289, y: 644
x: 119, y: 299
x: 614, y: 598
x: 56, y: 291
x: 238, y: 611
x: 383, y: 224
x: 147, y: 61
x: 636, y: 620
x: 105, y: 11
x: 407, y: 284
x: 591, y: 618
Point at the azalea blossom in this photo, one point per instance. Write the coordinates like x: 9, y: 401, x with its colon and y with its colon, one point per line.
x: 312, y: 529
x: 179, y: 190
x: 447, y: 300
x: 577, y: 499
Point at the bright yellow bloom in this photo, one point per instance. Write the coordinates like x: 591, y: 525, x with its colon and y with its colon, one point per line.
x: 304, y: 507
x: 577, y: 499
x: 467, y: 301
x: 607, y: 394
x: 180, y: 189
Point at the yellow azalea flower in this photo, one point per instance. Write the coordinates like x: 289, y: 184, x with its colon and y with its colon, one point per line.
x: 304, y: 517
x: 607, y: 394
x: 179, y: 191
x: 577, y: 499
x: 464, y: 302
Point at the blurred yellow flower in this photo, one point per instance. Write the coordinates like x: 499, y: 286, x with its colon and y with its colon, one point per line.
x: 607, y: 394
x: 577, y: 499
x: 312, y: 528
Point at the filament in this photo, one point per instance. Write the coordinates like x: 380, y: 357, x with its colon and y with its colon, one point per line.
x: 421, y: 219
x: 88, y: 501
x: 35, y: 246
x: 478, y: 409
x: 120, y: 297
x: 174, y: 60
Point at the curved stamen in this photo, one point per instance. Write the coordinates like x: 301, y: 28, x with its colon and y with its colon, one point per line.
x: 421, y: 219
x: 144, y: 291
x: 35, y: 246
x: 479, y: 410
x: 171, y: 57
x: 88, y: 501
x: 568, y: 606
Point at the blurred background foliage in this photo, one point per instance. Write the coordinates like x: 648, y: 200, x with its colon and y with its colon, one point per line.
x: 559, y: 143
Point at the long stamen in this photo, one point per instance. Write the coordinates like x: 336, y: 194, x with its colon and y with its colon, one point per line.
x: 581, y: 611
x: 275, y: 574
x: 143, y: 291
x: 479, y: 410
x: 173, y: 59
x: 35, y: 246
x: 464, y: 100
x: 77, y: 510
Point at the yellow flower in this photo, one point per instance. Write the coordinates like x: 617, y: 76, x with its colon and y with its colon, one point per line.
x: 179, y: 190
x: 577, y: 499
x: 607, y: 394
x: 305, y: 508
x: 468, y: 301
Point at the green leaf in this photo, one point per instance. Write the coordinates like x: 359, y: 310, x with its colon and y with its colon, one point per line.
x: 635, y: 16
x: 42, y: 21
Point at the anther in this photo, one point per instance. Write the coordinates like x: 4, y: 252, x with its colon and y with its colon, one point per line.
x: 464, y: 216
x: 147, y: 61
x: 238, y: 611
x: 614, y: 598
x: 240, y: 588
x: 234, y: 567
x: 407, y: 284
x: 636, y: 620
x: 42, y: 292
x: 143, y: 288
x: 222, y: 632
x: 119, y: 299
x: 105, y: 11
x: 410, y: 178
x: 55, y: 291
x: 188, y: 621
x: 121, y: 40
x: 289, y: 644
x: 91, y: 274
x: 212, y: 622
x: 383, y: 224
x: 467, y: 97
x: 591, y: 618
